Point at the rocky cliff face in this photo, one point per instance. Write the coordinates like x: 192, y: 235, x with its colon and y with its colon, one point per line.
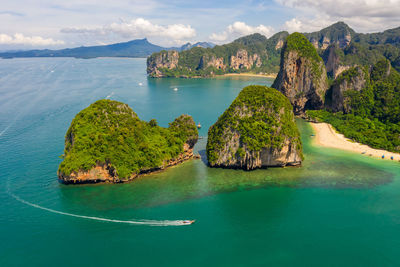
x: 107, y: 142
x: 279, y: 44
x: 257, y: 130
x: 243, y: 60
x: 338, y: 34
x: 106, y: 173
x: 355, y: 78
x: 334, y: 65
x: 163, y: 59
x: 302, y: 74
x: 212, y: 61
x: 160, y: 63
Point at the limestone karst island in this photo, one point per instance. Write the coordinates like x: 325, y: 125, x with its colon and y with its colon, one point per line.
x: 107, y: 142
x: 200, y: 133
x: 257, y: 130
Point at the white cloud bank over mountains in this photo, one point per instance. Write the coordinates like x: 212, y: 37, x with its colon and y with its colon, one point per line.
x: 140, y: 28
x: 238, y: 29
x: 363, y: 15
x: 20, y: 39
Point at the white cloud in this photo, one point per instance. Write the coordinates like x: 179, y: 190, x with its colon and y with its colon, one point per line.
x: 20, y: 39
x: 363, y: 15
x: 307, y: 24
x: 345, y: 8
x: 238, y: 29
x: 293, y: 25
x: 140, y: 28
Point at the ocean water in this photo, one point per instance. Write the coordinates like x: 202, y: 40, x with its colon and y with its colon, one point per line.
x: 338, y: 209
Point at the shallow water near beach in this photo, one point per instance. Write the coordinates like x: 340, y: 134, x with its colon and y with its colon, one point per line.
x: 339, y: 208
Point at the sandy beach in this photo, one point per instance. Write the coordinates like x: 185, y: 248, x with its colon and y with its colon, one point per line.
x: 326, y: 136
x: 251, y: 75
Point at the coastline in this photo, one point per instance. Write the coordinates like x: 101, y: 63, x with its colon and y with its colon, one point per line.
x: 86, y: 178
x: 273, y: 76
x: 326, y: 136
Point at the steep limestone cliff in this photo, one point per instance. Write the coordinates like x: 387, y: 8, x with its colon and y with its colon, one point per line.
x: 279, y: 44
x: 246, y: 54
x: 257, y: 130
x: 107, y: 142
x: 302, y: 75
x: 207, y: 61
x: 243, y: 60
x: 162, y: 60
x: 353, y: 79
x: 334, y: 61
x: 339, y: 34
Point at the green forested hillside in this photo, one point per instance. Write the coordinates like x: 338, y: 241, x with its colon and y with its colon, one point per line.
x: 375, y: 111
x: 353, y: 49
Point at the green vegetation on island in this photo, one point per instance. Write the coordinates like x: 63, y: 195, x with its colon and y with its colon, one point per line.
x: 298, y: 42
x: 374, y: 117
x: 260, y: 120
x: 109, y: 132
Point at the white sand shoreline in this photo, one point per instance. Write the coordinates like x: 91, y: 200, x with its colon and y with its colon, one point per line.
x: 326, y: 136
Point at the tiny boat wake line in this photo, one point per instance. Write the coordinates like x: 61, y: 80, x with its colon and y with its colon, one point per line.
x: 137, y: 222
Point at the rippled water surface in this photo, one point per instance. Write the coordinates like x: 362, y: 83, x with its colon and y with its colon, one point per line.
x: 339, y: 208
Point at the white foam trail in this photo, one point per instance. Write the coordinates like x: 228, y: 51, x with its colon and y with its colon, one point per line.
x: 138, y: 222
x: 5, y: 130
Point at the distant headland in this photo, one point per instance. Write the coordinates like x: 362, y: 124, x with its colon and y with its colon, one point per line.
x: 339, y: 46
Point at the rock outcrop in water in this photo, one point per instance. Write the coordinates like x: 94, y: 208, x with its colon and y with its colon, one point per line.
x: 257, y: 130
x: 302, y: 75
x: 107, y: 142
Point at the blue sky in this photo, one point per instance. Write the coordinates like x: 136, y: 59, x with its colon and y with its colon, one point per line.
x: 30, y: 24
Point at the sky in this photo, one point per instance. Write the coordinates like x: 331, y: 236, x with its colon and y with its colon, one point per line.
x: 32, y: 24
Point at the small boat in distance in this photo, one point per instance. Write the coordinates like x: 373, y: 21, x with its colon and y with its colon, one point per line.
x: 188, y: 221
x: 199, y: 126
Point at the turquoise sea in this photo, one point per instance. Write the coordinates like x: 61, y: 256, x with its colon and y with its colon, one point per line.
x: 338, y: 209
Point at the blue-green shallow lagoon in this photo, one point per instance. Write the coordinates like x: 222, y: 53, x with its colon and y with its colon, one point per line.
x: 339, y: 209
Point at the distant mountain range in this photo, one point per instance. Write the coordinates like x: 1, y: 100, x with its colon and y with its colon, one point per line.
x: 339, y: 45
x: 135, y: 48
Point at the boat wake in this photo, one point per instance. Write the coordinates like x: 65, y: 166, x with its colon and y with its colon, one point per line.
x: 137, y: 222
x: 5, y: 130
